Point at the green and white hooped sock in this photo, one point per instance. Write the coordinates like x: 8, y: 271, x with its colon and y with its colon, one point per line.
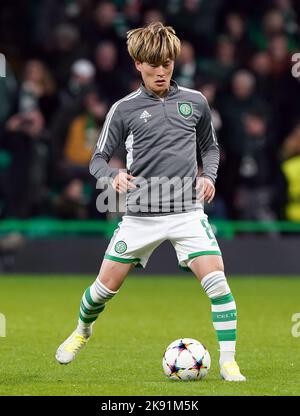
x: 92, y: 304
x: 224, y: 314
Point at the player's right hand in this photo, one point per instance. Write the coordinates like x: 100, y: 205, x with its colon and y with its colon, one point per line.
x: 122, y: 182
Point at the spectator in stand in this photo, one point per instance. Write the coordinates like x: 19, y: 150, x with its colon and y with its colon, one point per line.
x: 233, y: 107
x: 76, y: 198
x: 195, y: 21
x: 291, y: 144
x: 242, y: 99
x: 280, y: 80
x: 186, y: 66
x: 222, y: 65
x: 257, y: 172
x: 280, y: 56
x: 71, y: 105
x: 8, y: 95
x: 209, y: 89
x: 133, y: 13
x: 261, y: 66
x: 71, y: 202
x: 235, y: 29
x: 82, y: 135
x: 110, y: 78
x: 153, y: 15
x: 49, y: 13
x: 290, y: 153
x: 103, y: 24
x: 272, y: 24
x: 287, y: 104
x: 289, y: 15
x: 24, y: 138
x: 38, y: 90
x: 64, y: 48
x: 82, y: 75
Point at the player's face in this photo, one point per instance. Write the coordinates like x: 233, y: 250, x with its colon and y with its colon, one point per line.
x: 156, y: 77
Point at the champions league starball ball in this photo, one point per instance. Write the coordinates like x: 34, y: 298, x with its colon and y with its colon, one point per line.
x: 186, y: 359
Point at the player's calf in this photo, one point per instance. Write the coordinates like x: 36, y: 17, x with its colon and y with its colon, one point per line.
x: 92, y: 304
x: 224, y: 318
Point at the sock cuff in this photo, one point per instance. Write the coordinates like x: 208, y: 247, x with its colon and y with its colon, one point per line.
x: 211, y: 277
x: 215, y: 284
x: 101, y: 291
x: 102, y: 286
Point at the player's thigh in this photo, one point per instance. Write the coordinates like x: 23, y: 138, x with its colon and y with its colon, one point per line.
x: 112, y: 273
x: 135, y: 239
x: 203, y: 265
x: 195, y: 243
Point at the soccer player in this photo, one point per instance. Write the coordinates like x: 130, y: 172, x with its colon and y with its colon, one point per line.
x: 164, y: 126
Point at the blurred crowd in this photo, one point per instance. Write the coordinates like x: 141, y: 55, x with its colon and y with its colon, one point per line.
x: 67, y: 63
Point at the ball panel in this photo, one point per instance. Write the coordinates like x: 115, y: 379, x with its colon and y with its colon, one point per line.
x: 166, y: 367
x: 169, y: 362
x: 188, y: 374
x: 197, y: 351
x: 174, y: 344
x: 190, y: 341
x: 206, y: 360
x: 175, y: 376
x: 186, y: 359
x: 171, y: 356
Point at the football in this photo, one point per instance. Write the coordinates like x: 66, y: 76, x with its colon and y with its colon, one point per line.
x: 186, y: 359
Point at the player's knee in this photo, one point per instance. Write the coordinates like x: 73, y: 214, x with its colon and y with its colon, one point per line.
x: 219, y: 265
x: 112, y: 274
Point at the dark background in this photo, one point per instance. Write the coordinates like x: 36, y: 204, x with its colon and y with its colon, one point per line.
x: 53, y: 104
x: 67, y: 63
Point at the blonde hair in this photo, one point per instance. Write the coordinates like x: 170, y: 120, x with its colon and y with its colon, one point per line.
x: 45, y: 79
x: 154, y: 44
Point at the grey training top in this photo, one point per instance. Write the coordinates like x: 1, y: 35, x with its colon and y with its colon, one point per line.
x: 162, y: 137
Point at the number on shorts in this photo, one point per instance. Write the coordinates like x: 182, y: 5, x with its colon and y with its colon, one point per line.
x: 208, y: 229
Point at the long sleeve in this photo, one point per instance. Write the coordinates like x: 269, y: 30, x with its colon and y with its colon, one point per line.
x: 112, y: 133
x: 207, y: 144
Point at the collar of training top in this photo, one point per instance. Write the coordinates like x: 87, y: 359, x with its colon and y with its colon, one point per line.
x: 172, y: 90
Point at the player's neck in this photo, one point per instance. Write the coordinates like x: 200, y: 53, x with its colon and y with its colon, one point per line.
x: 160, y: 94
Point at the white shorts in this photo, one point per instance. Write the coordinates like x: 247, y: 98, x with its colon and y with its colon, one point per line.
x: 137, y: 237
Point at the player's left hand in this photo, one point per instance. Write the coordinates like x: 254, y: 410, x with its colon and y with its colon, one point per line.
x: 205, y: 189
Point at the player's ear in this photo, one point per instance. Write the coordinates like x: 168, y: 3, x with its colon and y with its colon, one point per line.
x: 138, y: 65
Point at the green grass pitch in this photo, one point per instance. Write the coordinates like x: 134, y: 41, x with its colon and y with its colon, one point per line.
x: 124, y: 355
